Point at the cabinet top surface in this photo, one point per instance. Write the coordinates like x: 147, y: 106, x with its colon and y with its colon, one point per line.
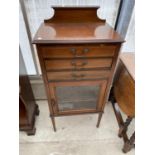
x: 76, y: 32
x: 75, y: 25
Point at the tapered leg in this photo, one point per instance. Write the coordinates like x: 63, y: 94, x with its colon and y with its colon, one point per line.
x: 53, y: 122
x: 99, y: 119
x: 128, y: 145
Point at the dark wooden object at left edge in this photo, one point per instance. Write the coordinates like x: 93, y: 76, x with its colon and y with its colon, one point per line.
x: 28, y: 108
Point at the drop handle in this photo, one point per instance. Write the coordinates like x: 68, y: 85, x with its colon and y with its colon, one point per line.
x: 74, y: 63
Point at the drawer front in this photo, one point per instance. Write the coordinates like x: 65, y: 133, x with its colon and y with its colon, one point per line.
x: 78, y: 75
x: 102, y: 50
x: 78, y: 63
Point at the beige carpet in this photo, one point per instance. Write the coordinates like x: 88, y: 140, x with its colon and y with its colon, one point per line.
x: 76, y: 135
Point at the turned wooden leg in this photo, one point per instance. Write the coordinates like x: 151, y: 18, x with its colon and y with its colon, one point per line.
x: 123, y: 128
x: 99, y: 119
x: 53, y: 122
x: 129, y: 144
x: 119, y: 119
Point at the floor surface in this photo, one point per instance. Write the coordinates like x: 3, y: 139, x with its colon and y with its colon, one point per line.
x: 76, y: 135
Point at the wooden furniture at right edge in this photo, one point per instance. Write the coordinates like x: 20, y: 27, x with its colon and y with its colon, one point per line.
x: 123, y: 96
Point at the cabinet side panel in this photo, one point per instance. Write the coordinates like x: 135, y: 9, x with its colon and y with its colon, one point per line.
x: 39, y: 51
x: 109, y: 83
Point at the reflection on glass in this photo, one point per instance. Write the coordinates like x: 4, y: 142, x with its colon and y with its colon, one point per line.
x: 77, y: 97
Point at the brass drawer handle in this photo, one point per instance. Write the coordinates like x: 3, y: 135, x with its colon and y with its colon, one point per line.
x: 78, y: 76
x: 74, y: 63
x: 74, y: 52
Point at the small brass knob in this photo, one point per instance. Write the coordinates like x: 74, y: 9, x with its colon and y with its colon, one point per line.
x: 73, y: 50
x: 86, y: 50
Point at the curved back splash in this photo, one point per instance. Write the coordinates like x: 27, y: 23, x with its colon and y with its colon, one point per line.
x: 74, y: 14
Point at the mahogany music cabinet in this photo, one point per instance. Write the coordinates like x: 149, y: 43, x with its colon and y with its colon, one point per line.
x: 78, y: 54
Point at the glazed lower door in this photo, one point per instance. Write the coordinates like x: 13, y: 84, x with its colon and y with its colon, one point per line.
x: 77, y: 97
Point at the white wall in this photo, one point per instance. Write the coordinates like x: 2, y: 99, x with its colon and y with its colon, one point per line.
x: 38, y: 10
x: 25, y: 47
x: 129, y: 45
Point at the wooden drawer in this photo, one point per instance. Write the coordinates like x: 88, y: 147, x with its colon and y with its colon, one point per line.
x: 78, y: 63
x: 101, y: 50
x: 77, y: 75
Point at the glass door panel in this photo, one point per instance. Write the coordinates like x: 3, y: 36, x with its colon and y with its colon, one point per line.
x: 77, y: 97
